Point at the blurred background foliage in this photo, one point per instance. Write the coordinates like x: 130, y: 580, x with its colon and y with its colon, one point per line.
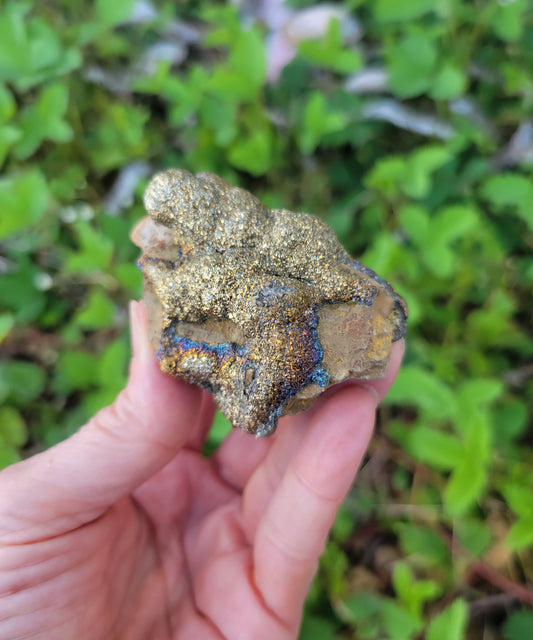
x: 409, y: 127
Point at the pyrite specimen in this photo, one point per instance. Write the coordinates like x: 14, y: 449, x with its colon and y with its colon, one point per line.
x: 263, y: 308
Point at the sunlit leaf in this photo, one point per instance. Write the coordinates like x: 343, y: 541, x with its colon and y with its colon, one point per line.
x: 450, y: 624
x: 23, y: 201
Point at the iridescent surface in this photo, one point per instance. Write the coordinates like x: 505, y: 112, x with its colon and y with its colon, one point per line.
x: 264, y: 308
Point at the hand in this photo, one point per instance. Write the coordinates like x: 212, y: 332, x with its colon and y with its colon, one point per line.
x: 127, y: 531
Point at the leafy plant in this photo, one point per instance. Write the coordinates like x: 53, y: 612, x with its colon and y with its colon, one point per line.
x: 415, y: 144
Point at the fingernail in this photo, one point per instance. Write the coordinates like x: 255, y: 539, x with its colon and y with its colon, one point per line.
x: 373, y: 392
x: 133, y: 326
x: 348, y: 384
x: 139, y: 339
x: 359, y: 384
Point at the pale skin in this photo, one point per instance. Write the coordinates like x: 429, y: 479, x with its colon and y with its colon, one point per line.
x: 126, y: 531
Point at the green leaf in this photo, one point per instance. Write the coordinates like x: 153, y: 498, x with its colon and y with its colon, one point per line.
x: 343, y: 525
x: 399, y: 623
x: 18, y: 293
x: 8, y: 455
x: 7, y: 104
x: 520, y: 535
x: 478, y: 393
x: 432, y: 235
x: 44, y: 121
x: 221, y: 117
x: 334, y: 564
x: 385, y: 256
x: 511, y: 191
x: 242, y: 77
x: 402, y: 580
x: 413, y: 593
x: 510, y: 420
x: 394, y: 11
x: 113, y: 365
x: 48, y: 58
x: 515, y: 76
x: 9, y: 135
x: 225, y: 21
x: 119, y: 136
x: 75, y: 370
x: 450, y: 624
x: 518, y: 497
x: 14, y: 45
x: 438, y: 258
x: 412, y: 174
x: 476, y: 430
x: 454, y: 222
x: 318, y: 121
x: 364, y: 612
x: 473, y: 534
x: 220, y: 429
x: 440, y: 450
x: 506, y: 189
x: 519, y: 626
x: 363, y: 605
x: 185, y: 96
x: 96, y: 313
x: 23, y: 201
x: 20, y: 381
x: 315, y: 628
x: 420, y: 388
x: 422, y: 544
x: 247, y: 58
x: 95, y: 250
x: 252, y: 153
x: 6, y: 324
x: 387, y: 175
x: 30, y: 51
x: 130, y: 277
x: 411, y: 65
x: 491, y: 325
x: 415, y: 221
x: 508, y: 19
x: 12, y: 427
x: 447, y: 226
x: 329, y: 52
x: 112, y: 12
x: 468, y: 479
x: 420, y: 166
x: 449, y: 83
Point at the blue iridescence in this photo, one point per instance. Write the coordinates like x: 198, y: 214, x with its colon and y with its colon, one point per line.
x: 321, y: 377
x: 221, y: 351
x: 225, y: 350
x: 306, y: 347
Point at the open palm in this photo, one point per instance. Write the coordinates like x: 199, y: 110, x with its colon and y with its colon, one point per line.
x: 127, y: 531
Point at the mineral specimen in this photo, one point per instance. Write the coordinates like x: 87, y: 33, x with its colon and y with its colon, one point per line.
x: 263, y: 308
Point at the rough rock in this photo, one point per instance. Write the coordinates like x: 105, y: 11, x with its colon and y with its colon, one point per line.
x: 263, y: 308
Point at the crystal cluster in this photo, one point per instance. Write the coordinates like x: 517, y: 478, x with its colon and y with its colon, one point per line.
x: 263, y: 308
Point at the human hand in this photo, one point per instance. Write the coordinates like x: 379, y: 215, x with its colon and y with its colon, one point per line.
x: 127, y: 531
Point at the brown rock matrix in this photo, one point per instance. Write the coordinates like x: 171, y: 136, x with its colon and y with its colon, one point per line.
x: 263, y: 308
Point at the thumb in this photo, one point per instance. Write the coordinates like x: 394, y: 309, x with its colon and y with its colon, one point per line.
x: 116, y: 451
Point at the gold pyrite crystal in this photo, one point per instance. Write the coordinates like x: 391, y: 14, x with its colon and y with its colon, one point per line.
x: 263, y: 308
